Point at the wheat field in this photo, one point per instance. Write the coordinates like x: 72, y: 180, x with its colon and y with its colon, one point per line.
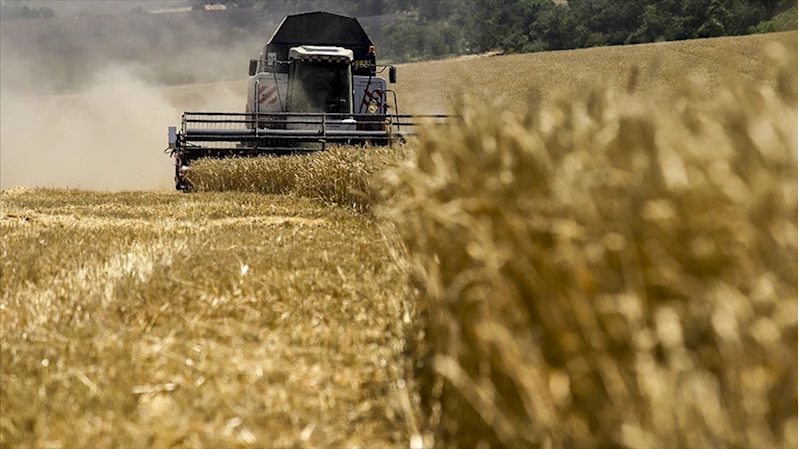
x: 614, y: 271
x: 216, y: 320
x: 523, y: 81
x: 594, y: 255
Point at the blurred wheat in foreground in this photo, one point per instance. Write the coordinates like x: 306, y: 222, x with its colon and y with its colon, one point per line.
x: 613, y: 272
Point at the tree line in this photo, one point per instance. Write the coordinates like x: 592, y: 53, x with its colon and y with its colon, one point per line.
x: 419, y: 29
x: 434, y: 28
x: 16, y: 9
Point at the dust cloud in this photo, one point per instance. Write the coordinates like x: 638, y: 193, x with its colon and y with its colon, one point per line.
x: 109, y: 137
x: 82, y: 107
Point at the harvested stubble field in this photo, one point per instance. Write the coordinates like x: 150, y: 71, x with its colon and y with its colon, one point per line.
x: 616, y: 269
x: 215, y: 320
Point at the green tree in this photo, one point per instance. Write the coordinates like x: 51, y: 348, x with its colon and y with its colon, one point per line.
x: 616, y: 19
x: 658, y: 23
x: 558, y: 28
x: 16, y: 9
x: 504, y: 24
x: 717, y: 16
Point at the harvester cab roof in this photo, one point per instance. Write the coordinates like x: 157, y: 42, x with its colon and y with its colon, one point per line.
x: 319, y: 53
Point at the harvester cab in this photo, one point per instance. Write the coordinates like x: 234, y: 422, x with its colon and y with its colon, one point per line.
x: 319, y: 80
x: 316, y: 83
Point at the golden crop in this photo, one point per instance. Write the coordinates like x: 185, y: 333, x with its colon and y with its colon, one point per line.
x: 526, y: 80
x: 339, y: 176
x: 606, y: 261
x: 617, y: 270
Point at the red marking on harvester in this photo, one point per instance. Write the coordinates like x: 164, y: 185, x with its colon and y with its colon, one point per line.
x: 376, y: 95
x: 270, y: 97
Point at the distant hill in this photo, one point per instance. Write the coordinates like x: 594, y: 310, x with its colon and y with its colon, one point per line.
x: 73, y: 7
x: 517, y: 80
x: 62, y: 54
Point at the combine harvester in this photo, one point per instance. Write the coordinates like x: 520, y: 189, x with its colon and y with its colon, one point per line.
x: 316, y: 83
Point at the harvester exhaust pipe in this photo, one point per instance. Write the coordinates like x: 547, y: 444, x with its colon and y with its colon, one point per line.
x: 173, y: 137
